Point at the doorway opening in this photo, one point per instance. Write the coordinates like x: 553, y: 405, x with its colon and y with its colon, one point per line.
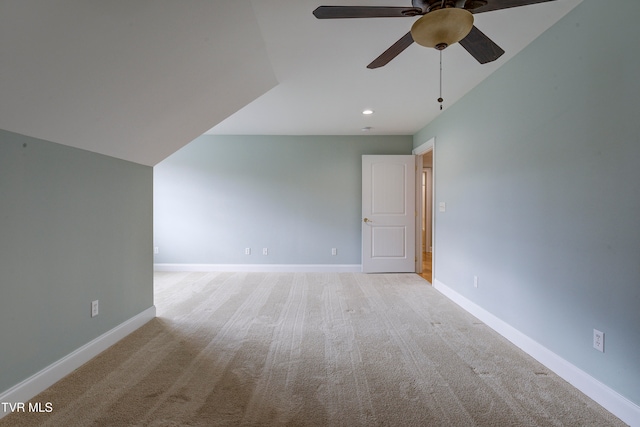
x: 426, y: 221
x: 424, y: 210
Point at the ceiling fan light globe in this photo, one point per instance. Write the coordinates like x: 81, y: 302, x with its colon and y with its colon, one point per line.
x: 442, y: 27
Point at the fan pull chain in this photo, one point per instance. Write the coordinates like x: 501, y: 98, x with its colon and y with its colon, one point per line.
x: 440, y: 100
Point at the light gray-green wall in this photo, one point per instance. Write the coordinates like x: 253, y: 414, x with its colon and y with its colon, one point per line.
x: 539, y: 167
x: 298, y: 196
x: 74, y: 227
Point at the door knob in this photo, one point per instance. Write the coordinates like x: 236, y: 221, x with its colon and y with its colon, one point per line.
x: 367, y: 220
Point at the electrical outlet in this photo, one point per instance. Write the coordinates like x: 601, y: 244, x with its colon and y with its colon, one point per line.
x: 156, y: 250
x: 247, y: 251
x: 334, y: 251
x: 598, y: 340
x: 265, y: 251
x: 94, y: 308
x: 475, y: 281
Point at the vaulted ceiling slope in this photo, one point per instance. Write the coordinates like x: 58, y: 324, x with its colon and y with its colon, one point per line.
x: 135, y: 80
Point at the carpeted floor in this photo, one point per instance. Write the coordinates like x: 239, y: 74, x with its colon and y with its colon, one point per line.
x: 311, y: 349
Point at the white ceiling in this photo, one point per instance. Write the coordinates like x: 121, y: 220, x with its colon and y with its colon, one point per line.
x: 324, y: 83
x: 138, y: 80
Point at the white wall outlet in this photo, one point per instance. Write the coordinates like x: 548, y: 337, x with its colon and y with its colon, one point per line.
x: 247, y: 251
x: 156, y: 250
x: 442, y: 207
x: 598, y: 340
x: 265, y: 251
x: 334, y: 251
x: 475, y: 281
x: 94, y: 308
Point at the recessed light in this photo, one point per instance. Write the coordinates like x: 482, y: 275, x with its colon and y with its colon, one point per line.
x: 367, y: 112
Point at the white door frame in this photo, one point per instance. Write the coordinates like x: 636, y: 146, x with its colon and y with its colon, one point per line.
x: 419, y: 151
x: 427, y: 175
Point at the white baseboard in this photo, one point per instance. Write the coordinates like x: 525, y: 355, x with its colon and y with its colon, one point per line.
x: 265, y: 268
x: 44, y: 379
x: 609, y: 399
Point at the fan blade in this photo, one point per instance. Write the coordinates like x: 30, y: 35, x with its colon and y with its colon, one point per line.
x: 395, y: 50
x: 481, y: 47
x: 335, y: 12
x: 505, y: 4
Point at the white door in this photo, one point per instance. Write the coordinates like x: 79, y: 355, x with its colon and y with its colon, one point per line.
x: 388, y: 214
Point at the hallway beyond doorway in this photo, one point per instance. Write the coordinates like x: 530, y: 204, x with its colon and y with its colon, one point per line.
x: 427, y: 259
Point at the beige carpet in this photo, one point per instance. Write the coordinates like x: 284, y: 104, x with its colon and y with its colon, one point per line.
x: 258, y: 349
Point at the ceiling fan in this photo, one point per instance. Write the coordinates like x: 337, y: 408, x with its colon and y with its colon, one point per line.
x: 442, y: 23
